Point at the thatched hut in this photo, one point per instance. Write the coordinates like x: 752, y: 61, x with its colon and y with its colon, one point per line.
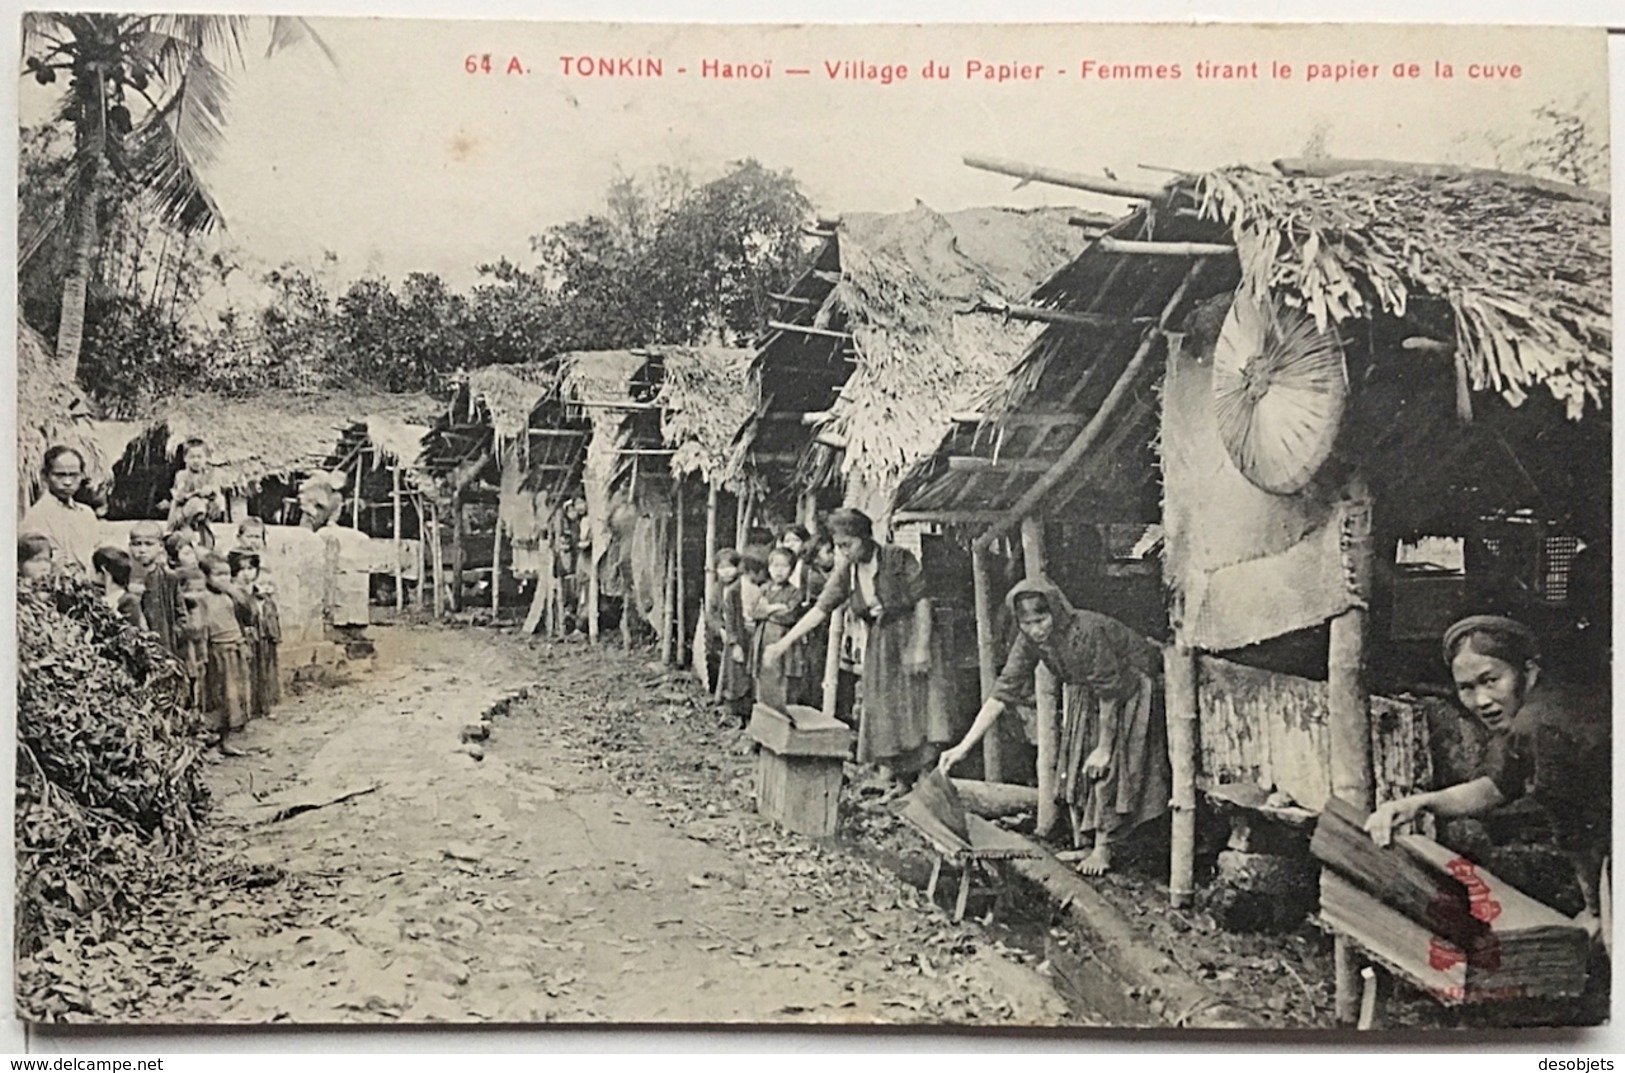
x: 880, y: 341
x: 51, y: 410
x: 504, y: 421
x: 391, y: 497
x: 1466, y: 315
x: 260, y: 446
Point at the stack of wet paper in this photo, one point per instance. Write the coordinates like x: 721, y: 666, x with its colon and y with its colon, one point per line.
x: 1448, y: 925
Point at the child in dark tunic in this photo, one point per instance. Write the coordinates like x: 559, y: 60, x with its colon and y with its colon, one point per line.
x: 155, y: 584
x: 228, y: 681
x: 734, y: 689
x: 113, y: 568
x: 262, y: 636
x: 779, y: 606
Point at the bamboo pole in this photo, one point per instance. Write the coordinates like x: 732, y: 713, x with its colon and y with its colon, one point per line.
x: 708, y: 595
x: 400, y: 548
x: 668, y: 597
x: 807, y: 510
x: 832, y: 661
x: 419, y: 596
x: 677, y: 568
x: 1348, y: 718
x: 1164, y: 249
x: 459, y: 550
x: 437, y: 560
x: 1091, y: 432
x: 1057, y: 177
x: 992, y: 754
x: 1060, y: 316
x: 1046, y: 692
x: 1181, y: 700
x: 592, y: 595
x: 355, y: 509
x: 742, y: 521
x: 496, y: 569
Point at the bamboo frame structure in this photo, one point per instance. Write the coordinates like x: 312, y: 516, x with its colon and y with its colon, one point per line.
x: 395, y: 519
x: 1091, y: 432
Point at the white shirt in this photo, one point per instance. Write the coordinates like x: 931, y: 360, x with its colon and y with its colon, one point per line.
x: 72, y: 527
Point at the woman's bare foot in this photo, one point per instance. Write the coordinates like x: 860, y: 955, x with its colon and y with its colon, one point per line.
x: 1097, y: 863
x: 227, y: 749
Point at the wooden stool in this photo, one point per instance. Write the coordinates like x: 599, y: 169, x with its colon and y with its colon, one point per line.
x: 988, y: 842
x: 799, y: 768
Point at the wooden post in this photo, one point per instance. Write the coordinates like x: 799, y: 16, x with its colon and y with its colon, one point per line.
x: 1348, y: 718
x: 496, y: 568
x: 437, y: 559
x: 1046, y: 692
x: 807, y: 510
x: 677, y: 569
x: 709, y: 593
x: 592, y: 595
x: 992, y: 755
x: 742, y: 521
x: 355, y: 511
x: 400, y: 548
x: 1181, y: 699
x: 832, y: 661
x: 668, y: 590
x: 418, y: 598
x: 459, y: 550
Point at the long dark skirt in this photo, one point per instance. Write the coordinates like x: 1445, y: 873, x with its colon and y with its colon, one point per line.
x: 1138, y: 784
x: 907, y: 717
x: 228, y: 686
x: 267, y: 676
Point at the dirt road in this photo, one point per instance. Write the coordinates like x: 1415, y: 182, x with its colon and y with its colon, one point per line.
x: 602, y: 863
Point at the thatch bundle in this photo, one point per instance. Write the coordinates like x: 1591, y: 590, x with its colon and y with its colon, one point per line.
x: 509, y: 394
x: 703, y: 403
x: 51, y: 410
x: 395, y: 440
x: 1523, y: 264
x: 909, y: 290
x: 599, y: 380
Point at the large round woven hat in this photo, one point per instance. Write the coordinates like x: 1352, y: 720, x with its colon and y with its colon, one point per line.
x: 1279, y: 387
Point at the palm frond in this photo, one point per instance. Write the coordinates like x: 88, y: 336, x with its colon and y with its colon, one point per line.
x: 165, y: 168
x: 288, y: 31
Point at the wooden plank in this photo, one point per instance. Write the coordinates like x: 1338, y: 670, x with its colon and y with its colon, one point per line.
x: 947, y: 517
x: 1420, y: 891
x: 1041, y: 315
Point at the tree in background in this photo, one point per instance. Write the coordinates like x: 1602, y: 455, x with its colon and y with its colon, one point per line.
x: 1570, y: 144
x: 145, y: 99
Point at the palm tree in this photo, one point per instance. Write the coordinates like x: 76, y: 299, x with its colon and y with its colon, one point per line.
x: 171, y: 68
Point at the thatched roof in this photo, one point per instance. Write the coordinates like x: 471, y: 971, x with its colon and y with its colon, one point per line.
x: 396, y: 440
x: 1510, y: 275
x: 703, y: 404
x: 883, y: 338
x: 276, y: 433
x: 51, y: 410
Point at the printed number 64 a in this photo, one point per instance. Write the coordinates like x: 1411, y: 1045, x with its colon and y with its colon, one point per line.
x: 478, y: 64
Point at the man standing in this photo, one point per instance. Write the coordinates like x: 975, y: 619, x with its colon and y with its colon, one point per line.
x: 69, y: 525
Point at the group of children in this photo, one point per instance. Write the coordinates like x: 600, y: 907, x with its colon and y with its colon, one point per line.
x: 762, y: 592
x: 217, y: 613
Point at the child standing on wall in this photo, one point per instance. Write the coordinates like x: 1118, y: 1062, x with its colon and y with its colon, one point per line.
x: 194, y: 481
x: 733, y: 676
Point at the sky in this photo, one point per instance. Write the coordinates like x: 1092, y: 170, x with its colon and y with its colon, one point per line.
x: 397, y: 159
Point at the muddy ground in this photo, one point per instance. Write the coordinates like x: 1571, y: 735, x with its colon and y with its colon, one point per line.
x: 603, y: 862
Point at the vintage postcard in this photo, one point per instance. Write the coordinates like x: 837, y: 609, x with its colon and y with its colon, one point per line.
x: 1016, y: 525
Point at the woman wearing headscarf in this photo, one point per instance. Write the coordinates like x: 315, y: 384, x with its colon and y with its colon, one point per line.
x: 1112, y: 765
x: 1549, y: 744
x: 907, y: 706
